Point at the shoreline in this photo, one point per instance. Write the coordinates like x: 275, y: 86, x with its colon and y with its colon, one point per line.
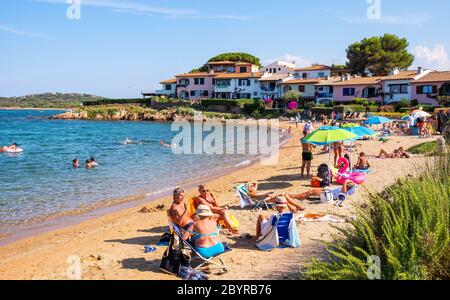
x: 111, y: 246
x: 74, y: 217
x: 34, y: 108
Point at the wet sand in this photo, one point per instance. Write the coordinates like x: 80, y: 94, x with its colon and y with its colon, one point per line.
x: 112, y: 246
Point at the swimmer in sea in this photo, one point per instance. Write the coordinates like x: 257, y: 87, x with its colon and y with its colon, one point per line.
x: 10, y: 147
x: 75, y: 163
x: 164, y: 144
x: 93, y: 162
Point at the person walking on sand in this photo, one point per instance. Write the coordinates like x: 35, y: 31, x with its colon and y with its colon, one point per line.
x: 307, y: 156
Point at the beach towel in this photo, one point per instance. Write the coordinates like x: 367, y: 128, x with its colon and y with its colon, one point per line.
x: 233, y: 221
x: 362, y: 171
x: 320, y: 218
x: 282, y: 232
x: 244, y: 198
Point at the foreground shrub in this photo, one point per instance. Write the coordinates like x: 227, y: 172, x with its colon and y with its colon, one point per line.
x: 407, y: 227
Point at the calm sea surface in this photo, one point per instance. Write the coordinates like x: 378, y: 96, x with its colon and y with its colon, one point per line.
x: 41, y: 182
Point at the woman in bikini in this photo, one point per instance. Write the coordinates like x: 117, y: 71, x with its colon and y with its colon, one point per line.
x: 220, y: 213
x: 363, y: 162
x: 205, y: 233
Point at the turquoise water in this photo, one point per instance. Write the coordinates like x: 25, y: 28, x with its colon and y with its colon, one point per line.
x: 41, y: 181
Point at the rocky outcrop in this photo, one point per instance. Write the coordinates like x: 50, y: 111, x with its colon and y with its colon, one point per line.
x: 106, y: 114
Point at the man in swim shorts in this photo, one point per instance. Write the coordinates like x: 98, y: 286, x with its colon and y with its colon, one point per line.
x: 179, y: 211
x: 307, y: 156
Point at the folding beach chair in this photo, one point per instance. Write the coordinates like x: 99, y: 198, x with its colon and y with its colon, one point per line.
x: 246, y: 200
x: 283, y: 233
x: 212, y: 263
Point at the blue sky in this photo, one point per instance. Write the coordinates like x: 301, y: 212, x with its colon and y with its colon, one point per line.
x: 120, y: 47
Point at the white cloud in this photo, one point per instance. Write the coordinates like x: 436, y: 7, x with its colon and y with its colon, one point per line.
x: 300, y: 61
x: 436, y: 58
x: 21, y: 32
x: 136, y: 8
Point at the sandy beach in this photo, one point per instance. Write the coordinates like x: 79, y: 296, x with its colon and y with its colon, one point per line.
x: 112, y: 246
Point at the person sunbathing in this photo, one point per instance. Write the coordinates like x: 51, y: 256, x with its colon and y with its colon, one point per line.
x: 262, y: 225
x: 398, y: 153
x: 220, y: 213
x: 179, y: 211
x: 252, y: 190
x: 205, y: 233
x: 349, y: 187
x: 363, y: 162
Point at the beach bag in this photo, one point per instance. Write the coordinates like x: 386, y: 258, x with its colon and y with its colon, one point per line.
x: 174, y: 257
x: 326, y: 196
x: 315, y: 182
x: 233, y: 221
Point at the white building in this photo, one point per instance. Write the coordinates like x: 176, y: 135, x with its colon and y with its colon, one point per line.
x: 237, y: 85
x: 313, y: 72
x: 398, y: 85
x: 279, y: 67
x: 169, y: 88
x: 270, y: 85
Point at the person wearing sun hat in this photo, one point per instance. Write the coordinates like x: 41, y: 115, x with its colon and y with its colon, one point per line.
x: 262, y: 225
x: 205, y: 234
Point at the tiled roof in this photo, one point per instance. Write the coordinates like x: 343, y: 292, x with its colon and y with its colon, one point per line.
x: 169, y: 81
x: 274, y: 77
x: 314, y: 68
x: 197, y: 74
x: 302, y: 81
x: 239, y: 75
x: 435, y: 77
x: 330, y: 81
x: 402, y: 75
x: 361, y: 81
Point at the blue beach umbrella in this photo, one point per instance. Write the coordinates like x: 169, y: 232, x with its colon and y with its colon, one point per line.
x: 361, y: 131
x: 377, y: 120
x: 405, y: 118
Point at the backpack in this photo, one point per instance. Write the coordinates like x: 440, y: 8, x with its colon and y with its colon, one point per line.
x: 174, y: 257
x: 323, y: 171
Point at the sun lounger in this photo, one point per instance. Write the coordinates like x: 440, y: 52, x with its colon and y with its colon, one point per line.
x: 246, y: 200
x: 212, y: 263
x: 282, y: 233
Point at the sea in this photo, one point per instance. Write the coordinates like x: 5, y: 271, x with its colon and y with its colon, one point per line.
x: 40, y: 183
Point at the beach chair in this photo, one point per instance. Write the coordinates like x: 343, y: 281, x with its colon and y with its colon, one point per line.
x: 245, y: 199
x: 282, y: 233
x: 212, y: 263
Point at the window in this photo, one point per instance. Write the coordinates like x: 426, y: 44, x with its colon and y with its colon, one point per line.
x: 256, y: 81
x: 244, y: 82
x: 279, y: 69
x: 369, y: 92
x: 399, y: 88
x: 184, y: 82
x: 193, y: 93
x: 349, y: 91
x: 255, y: 93
x: 321, y: 74
x: 301, y: 88
x: 168, y: 87
x: 204, y: 93
x: 243, y: 69
x: 427, y: 89
x: 305, y: 75
x: 199, y: 81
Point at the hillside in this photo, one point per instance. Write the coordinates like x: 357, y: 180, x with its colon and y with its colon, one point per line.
x: 47, y: 100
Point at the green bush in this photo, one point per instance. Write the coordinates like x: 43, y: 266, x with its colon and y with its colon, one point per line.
x: 227, y: 102
x: 407, y: 227
x: 116, y: 101
x: 403, y: 103
x: 251, y: 108
x: 361, y: 101
x: 429, y: 148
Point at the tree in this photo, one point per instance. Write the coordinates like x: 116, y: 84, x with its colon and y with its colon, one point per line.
x: 237, y: 57
x: 292, y: 96
x: 379, y: 55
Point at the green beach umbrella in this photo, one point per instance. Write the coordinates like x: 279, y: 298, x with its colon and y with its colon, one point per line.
x: 350, y: 125
x: 329, y: 134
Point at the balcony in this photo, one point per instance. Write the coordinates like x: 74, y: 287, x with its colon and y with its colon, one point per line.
x: 222, y: 88
x: 268, y: 89
x: 164, y: 92
x: 324, y: 95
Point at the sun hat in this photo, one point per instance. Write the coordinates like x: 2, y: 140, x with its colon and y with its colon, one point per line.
x: 280, y: 201
x: 204, y: 211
